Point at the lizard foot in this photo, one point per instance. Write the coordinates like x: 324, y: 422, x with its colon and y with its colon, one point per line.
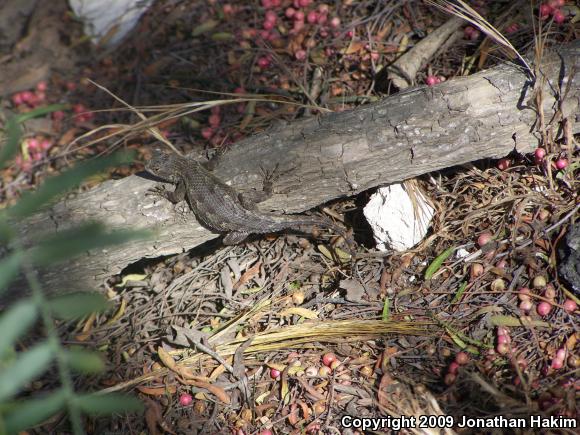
x: 157, y: 191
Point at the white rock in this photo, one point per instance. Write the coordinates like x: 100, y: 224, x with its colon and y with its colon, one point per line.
x: 395, y: 222
x: 109, y: 19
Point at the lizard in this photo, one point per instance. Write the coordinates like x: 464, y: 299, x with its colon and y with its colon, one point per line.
x: 220, y: 207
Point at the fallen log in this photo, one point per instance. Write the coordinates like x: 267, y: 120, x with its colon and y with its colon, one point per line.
x: 486, y: 115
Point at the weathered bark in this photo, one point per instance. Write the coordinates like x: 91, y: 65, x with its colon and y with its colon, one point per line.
x: 341, y: 154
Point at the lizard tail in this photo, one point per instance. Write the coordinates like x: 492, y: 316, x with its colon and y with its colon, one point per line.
x: 290, y: 221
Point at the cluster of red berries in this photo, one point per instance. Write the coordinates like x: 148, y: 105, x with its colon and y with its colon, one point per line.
x: 471, y: 33
x: 433, y: 80
x: 32, y: 98
x: 553, y: 8
x: 461, y: 359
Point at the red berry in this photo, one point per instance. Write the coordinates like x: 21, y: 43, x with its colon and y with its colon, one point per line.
x: 539, y: 154
x: 503, y: 164
x: 484, y: 238
x: 290, y: 12
x: 335, y: 22
x: 299, y: 16
x: 58, y: 115
x: 271, y: 16
x: 17, y: 99
x: 268, y: 25
x: 40, y: 96
x: 570, y: 306
x: 274, y: 373
x: 503, y: 339
x: 431, y: 80
x: 33, y: 144
x: 545, y: 10
x: 462, y: 358
x: 207, y: 132
x: 453, y: 368
x: 502, y: 348
x: 264, y: 62
x: 544, y: 308
x: 27, y: 96
x: 561, y: 163
x: 557, y: 3
x: 185, y: 399
x: 559, y: 16
x: 214, y: 121
x: 475, y: 35
x: 312, y: 17
x: 300, y: 55
x: 41, y: 86
x: 512, y: 28
x: 45, y: 145
x: 328, y: 359
x: 524, y: 294
x: 561, y: 354
x: 267, y: 4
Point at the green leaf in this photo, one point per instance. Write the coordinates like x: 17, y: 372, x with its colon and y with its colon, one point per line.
x: 74, y: 241
x: 40, y: 111
x: 27, y: 367
x: 222, y: 36
x: 58, y: 184
x: 9, y: 267
x: 76, y: 305
x: 503, y: 320
x: 85, y: 361
x: 29, y: 413
x: 436, y: 264
x: 113, y: 403
x: 13, y: 134
x: 204, y: 27
x: 459, y: 292
x: 14, y: 322
x: 386, y: 309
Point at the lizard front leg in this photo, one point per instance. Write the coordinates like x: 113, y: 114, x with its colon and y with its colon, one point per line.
x: 251, y: 198
x: 175, y: 196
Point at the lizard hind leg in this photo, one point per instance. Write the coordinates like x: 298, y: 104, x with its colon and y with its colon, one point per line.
x: 235, y: 237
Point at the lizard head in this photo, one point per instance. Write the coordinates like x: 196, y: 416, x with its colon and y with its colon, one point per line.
x: 163, y: 165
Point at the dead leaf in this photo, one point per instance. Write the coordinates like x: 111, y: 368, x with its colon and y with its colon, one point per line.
x: 354, y: 290
x: 220, y: 393
x: 248, y: 275
x: 307, y: 314
x: 157, y: 391
x: 167, y: 359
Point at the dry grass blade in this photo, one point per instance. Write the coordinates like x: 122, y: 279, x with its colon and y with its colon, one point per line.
x: 295, y: 336
x: 464, y: 11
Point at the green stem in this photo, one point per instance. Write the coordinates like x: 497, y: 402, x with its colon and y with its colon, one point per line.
x: 52, y: 336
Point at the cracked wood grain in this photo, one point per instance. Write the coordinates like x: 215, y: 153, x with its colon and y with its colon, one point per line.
x: 322, y: 158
